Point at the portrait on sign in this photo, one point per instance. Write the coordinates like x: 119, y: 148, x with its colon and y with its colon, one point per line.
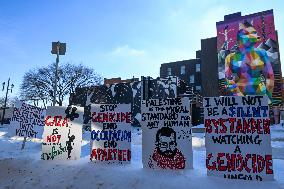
x: 166, y: 139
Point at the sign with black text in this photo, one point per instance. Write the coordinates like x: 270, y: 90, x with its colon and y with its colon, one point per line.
x: 166, y: 139
x: 27, y: 121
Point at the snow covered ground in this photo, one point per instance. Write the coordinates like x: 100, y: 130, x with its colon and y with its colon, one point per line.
x: 24, y: 169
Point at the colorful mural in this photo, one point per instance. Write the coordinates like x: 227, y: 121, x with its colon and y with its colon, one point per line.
x: 248, y: 57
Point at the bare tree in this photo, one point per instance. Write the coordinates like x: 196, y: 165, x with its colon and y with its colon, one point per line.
x: 37, y: 84
x: 10, y: 101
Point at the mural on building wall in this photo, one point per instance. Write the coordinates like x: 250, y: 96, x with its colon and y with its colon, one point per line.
x: 248, y: 57
x: 123, y: 93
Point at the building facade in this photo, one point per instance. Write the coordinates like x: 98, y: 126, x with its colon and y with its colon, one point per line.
x: 187, y: 70
x: 206, y: 73
x: 119, y: 80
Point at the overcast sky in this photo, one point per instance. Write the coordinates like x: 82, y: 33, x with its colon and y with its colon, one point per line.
x: 118, y: 38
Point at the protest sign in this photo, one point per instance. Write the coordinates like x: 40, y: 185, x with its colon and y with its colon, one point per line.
x: 166, y: 139
x: 62, y: 135
x: 238, y: 143
x: 111, y: 133
x: 27, y: 121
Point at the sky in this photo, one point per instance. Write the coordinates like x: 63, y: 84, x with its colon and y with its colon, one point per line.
x: 123, y: 38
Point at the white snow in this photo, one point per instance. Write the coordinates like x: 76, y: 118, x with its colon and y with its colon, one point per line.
x: 24, y: 169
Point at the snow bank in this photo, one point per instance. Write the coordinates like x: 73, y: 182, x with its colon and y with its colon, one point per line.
x: 24, y: 169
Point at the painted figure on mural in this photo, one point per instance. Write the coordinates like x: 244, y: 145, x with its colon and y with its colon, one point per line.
x: 227, y: 39
x: 166, y: 155
x: 248, y: 71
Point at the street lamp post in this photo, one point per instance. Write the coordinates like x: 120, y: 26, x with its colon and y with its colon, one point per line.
x: 6, y: 97
x: 58, y: 49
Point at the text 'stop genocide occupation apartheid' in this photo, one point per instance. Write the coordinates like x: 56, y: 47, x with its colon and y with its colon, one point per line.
x: 111, y: 133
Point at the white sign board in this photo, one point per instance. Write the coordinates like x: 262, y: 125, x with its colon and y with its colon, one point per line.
x: 27, y: 121
x: 62, y: 135
x: 111, y: 133
x: 238, y: 143
x: 166, y: 139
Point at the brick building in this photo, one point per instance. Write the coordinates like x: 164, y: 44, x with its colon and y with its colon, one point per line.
x: 119, y: 80
x: 205, y: 74
x: 202, y: 73
x: 187, y: 70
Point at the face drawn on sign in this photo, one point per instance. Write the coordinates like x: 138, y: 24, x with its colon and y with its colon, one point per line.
x: 62, y: 133
x: 166, y: 139
x: 237, y: 139
x: 27, y: 121
x: 166, y: 155
x: 111, y: 133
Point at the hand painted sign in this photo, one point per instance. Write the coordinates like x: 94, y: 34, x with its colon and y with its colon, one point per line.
x: 238, y: 143
x: 166, y: 139
x: 111, y: 133
x: 27, y: 121
x: 62, y: 135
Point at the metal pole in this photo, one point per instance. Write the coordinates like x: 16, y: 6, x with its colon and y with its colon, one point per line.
x: 56, y: 74
x: 3, y: 116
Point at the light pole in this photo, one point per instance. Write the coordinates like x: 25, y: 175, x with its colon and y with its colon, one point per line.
x: 5, y: 103
x: 58, y: 49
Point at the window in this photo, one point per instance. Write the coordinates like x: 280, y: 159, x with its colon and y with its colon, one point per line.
x: 197, y: 67
x: 169, y: 71
x: 191, y: 79
x: 198, y: 87
x: 182, y: 70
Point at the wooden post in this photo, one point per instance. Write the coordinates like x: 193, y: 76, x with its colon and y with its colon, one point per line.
x: 24, y: 143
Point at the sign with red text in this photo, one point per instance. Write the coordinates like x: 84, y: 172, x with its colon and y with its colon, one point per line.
x: 237, y: 139
x: 62, y: 135
x: 166, y: 139
x: 27, y: 121
x: 111, y: 133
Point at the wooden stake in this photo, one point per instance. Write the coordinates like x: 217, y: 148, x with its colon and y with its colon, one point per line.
x: 24, y: 143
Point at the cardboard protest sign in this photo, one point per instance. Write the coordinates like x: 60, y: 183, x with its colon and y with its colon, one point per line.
x: 166, y: 139
x: 111, y: 133
x: 62, y: 135
x: 238, y: 143
x: 27, y: 121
